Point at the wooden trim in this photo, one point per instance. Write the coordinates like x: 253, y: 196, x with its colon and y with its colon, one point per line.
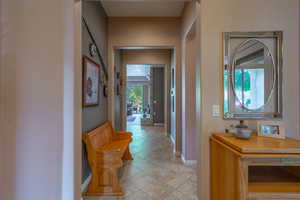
x: 253, y: 155
x: 243, y: 179
x: 254, y: 145
x: 226, y: 147
x: 143, y: 19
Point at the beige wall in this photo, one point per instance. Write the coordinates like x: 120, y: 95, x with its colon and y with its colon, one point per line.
x: 147, y: 56
x: 235, y: 15
x: 3, y: 189
x: 146, y: 32
x: 189, y: 58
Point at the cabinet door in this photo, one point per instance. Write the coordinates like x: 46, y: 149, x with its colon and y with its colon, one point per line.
x: 228, y: 174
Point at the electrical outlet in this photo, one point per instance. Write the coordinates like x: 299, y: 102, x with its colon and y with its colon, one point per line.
x: 216, y: 110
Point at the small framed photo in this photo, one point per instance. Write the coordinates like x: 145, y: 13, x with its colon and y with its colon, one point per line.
x: 272, y: 129
x: 91, y: 76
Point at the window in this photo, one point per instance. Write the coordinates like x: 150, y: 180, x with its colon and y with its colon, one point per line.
x: 249, y: 86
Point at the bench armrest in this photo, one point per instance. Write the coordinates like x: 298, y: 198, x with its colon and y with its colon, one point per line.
x: 122, y: 135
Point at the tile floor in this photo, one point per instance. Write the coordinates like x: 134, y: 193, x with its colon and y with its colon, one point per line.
x: 137, y: 120
x: 155, y: 173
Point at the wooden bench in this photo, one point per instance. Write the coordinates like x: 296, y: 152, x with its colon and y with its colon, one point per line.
x: 106, y: 150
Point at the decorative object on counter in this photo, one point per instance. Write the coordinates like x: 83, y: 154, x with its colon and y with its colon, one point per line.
x: 272, y: 129
x: 241, y: 131
x: 252, y: 75
x: 91, y: 73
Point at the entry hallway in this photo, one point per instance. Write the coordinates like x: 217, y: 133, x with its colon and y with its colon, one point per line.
x: 155, y: 173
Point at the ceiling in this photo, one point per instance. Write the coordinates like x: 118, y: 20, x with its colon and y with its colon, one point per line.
x: 143, y: 8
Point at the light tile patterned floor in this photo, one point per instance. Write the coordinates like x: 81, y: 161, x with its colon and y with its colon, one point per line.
x: 155, y: 173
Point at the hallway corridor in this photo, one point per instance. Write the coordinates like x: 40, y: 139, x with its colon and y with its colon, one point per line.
x: 155, y: 173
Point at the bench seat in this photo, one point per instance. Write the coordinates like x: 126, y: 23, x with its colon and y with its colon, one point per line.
x: 116, y: 146
x: 106, y: 150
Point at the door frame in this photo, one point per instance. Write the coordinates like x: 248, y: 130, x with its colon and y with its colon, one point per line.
x: 167, y: 102
x: 167, y: 99
x: 123, y: 72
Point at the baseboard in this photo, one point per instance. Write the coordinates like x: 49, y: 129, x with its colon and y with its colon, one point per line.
x: 167, y: 134
x: 176, y: 153
x: 188, y: 162
x: 173, y: 140
x: 159, y: 124
x: 85, y: 184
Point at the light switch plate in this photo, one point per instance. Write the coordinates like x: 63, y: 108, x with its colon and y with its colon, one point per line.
x: 216, y: 110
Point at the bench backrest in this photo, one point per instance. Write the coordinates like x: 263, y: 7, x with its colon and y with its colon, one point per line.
x: 100, y: 136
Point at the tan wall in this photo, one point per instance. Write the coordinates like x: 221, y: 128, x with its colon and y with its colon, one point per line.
x: 37, y: 68
x: 235, y: 15
x: 146, y: 32
x: 33, y: 61
x: 3, y: 189
x: 189, y: 59
x: 151, y: 56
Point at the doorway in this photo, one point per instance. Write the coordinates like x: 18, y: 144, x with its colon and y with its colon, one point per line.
x: 135, y: 104
x: 146, y: 95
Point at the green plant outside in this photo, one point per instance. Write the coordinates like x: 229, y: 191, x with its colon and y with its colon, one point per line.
x: 135, y: 95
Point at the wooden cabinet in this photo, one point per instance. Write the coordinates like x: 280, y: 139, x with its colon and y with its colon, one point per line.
x: 256, y: 169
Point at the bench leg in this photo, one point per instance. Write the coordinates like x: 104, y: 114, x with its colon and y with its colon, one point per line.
x: 127, y: 155
x: 105, y: 182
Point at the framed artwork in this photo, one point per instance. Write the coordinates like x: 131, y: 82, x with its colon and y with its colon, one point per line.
x: 273, y: 129
x: 91, y: 76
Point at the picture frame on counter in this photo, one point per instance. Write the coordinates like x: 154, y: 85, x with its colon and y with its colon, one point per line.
x: 273, y: 129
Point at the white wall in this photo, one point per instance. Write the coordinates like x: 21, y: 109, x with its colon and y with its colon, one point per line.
x: 218, y: 16
x: 32, y: 67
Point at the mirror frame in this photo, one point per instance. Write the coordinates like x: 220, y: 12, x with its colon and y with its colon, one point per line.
x: 227, y: 66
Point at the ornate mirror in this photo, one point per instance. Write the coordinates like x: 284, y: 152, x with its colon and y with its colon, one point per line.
x: 252, y: 75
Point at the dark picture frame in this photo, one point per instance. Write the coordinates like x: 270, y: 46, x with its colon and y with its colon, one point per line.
x: 91, y: 82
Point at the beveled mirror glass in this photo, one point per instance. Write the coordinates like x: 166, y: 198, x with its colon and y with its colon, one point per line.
x: 252, y: 75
